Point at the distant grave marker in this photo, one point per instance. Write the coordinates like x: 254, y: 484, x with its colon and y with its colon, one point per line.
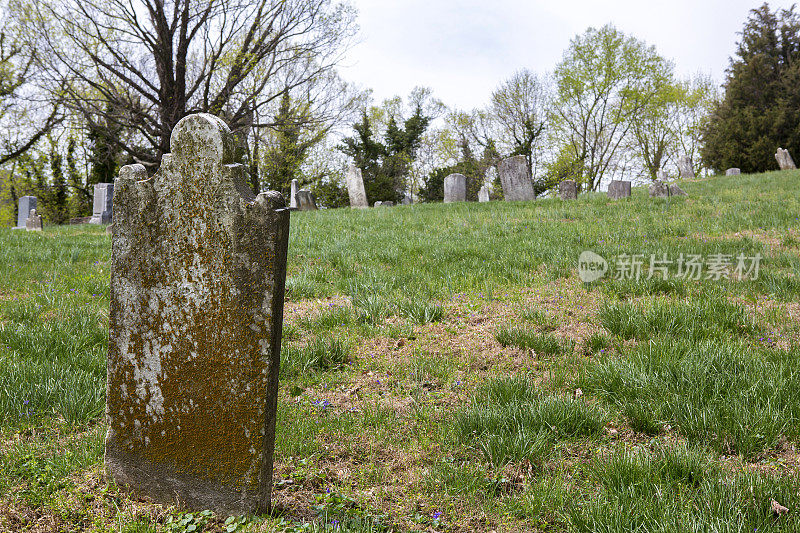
x: 483, y: 194
x: 293, y: 188
x: 733, y: 172
x: 659, y: 189
x: 455, y: 188
x: 26, y: 203
x: 306, y: 200
x: 685, y: 167
x: 568, y: 190
x: 355, y: 188
x: 515, y: 179
x: 103, y: 203
x: 197, y: 291
x: 34, y: 222
x: 785, y: 161
x: 619, y: 189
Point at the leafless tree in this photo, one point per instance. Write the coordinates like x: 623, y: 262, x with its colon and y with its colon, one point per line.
x: 139, y: 66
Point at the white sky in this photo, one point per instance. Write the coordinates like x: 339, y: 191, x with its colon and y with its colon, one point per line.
x: 463, y: 49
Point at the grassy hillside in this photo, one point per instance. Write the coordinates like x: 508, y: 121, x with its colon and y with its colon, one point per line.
x: 445, y: 369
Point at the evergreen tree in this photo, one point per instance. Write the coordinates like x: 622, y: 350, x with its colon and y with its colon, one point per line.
x: 105, y: 154
x: 56, y: 207
x: 761, y: 107
x: 80, y: 199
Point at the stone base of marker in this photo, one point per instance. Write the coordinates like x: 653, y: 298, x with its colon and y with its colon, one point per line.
x: 785, y: 161
x: 619, y: 189
x: 659, y: 189
x: 197, y: 292
x: 733, y: 172
x: 34, y: 222
x: 383, y: 204
x: 455, y: 188
x: 515, y: 179
x: 568, y: 190
x: 483, y: 194
x: 674, y: 190
x: 306, y: 200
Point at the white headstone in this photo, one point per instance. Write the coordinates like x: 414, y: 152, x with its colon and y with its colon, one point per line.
x: 355, y: 188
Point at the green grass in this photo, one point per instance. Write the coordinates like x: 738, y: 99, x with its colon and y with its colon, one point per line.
x: 396, y: 414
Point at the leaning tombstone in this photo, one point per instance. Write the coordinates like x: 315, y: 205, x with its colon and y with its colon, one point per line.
x: 674, y: 190
x: 685, y: 167
x: 568, y: 190
x: 197, y: 291
x: 514, y: 177
x: 659, y: 189
x: 26, y: 203
x: 34, y: 222
x: 293, y: 188
x: 355, y: 188
x: 306, y: 200
x: 455, y: 188
x: 103, y: 203
x: 619, y: 189
x: 483, y: 194
x: 733, y: 172
x: 785, y: 161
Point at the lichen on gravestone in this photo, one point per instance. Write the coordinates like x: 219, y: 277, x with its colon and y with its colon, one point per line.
x: 197, y: 291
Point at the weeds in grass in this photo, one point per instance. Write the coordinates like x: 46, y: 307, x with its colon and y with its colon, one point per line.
x: 541, y: 343
x: 421, y: 312
x: 318, y: 356
x: 596, y: 343
x: 726, y: 394
x: 545, y: 322
x: 329, y: 318
x: 510, y: 419
x: 710, y: 317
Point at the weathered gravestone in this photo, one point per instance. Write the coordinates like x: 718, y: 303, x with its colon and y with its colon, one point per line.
x: 659, y: 189
x: 103, y: 203
x: 34, y: 222
x: 685, y: 167
x: 355, y: 188
x: 383, y: 204
x: 785, y: 161
x: 483, y: 194
x: 197, y: 290
x: 26, y: 203
x: 733, y: 172
x: 568, y: 190
x: 619, y: 189
x: 514, y: 178
x: 674, y: 190
x: 306, y: 200
x: 407, y: 199
x: 455, y: 188
x: 293, y: 188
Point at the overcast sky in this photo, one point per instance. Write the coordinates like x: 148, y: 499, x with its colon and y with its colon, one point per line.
x: 463, y: 49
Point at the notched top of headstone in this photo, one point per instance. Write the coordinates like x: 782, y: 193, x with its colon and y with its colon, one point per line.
x: 197, y: 289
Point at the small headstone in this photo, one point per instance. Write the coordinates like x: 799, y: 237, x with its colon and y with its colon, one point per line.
x: 33, y: 222
x: 26, y: 203
x: 103, y: 205
x: 619, y: 189
x: 293, y: 188
x: 685, y: 167
x: 674, y: 190
x: 197, y: 291
x: 514, y: 177
x: 568, y: 190
x: 659, y: 189
x: 306, y: 200
x: 785, y: 161
x: 455, y: 188
x: 383, y: 204
x: 733, y: 172
x: 483, y: 194
x: 355, y: 187
x: 407, y: 199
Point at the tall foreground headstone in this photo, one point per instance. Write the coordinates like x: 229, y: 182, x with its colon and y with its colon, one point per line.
x: 568, y: 190
x: 455, y: 188
x: 26, y: 203
x: 514, y: 177
x: 685, y: 167
x: 785, y: 161
x: 197, y: 289
x: 355, y: 188
x: 619, y: 189
x: 103, y: 203
x: 293, y: 188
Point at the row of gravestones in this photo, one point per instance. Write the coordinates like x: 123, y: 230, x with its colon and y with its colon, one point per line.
x: 197, y: 291
x: 102, y: 208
